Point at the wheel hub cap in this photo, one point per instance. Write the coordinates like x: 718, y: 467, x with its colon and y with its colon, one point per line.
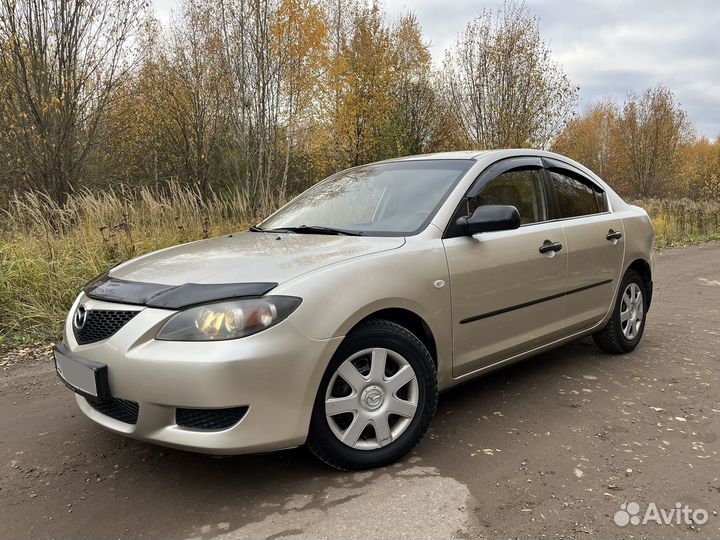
x: 631, y: 311
x: 372, y: 398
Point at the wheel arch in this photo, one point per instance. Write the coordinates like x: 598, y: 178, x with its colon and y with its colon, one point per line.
x: 409, y: 320
x: 642, y: 267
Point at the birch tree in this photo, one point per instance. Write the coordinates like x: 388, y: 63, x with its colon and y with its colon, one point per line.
x: 651, y: 131
x: 61, y: 63
x: 502, y: 83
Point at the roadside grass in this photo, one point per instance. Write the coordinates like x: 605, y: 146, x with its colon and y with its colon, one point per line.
x: 681, y: 222
x: 48, y: 251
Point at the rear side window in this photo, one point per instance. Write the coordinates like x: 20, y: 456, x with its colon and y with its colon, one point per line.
x: 576, y: 198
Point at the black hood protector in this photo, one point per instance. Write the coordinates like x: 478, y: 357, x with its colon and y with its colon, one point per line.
x: 156, y: 295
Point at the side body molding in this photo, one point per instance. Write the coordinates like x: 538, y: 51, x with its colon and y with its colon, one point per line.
x: 156, y: 295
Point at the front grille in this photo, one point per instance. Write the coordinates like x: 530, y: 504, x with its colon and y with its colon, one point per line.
x: 119, y: 409
x: 210, y: 419
x: 100, y: 324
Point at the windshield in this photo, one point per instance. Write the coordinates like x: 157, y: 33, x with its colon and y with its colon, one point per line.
x: 383, y: 199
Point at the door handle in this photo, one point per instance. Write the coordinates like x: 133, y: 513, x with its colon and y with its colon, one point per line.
x: 550, y: 246
x: 613, y: 235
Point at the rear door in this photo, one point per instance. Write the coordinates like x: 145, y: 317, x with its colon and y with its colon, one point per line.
x: 507, y: 296
x: 594, y: 241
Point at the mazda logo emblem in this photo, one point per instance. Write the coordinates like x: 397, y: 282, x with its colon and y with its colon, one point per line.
x: 80, y: 317
x: 372, y: 398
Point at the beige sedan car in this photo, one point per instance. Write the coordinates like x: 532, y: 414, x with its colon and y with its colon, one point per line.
x: 336, y: 321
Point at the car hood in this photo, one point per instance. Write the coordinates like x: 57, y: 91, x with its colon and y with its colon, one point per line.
x: 249, y: 257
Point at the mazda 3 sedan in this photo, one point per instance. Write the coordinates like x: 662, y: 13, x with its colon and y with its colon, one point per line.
x: 336, y: 321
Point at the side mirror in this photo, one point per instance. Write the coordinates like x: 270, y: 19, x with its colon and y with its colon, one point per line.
x: 491, y: 217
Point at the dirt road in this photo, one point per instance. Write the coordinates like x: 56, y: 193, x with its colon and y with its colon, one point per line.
x: 550, y: 447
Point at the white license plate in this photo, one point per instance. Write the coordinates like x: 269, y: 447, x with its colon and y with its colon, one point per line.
x: 78, y: 375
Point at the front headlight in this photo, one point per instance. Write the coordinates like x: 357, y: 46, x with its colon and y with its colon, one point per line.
x: 228, y: 320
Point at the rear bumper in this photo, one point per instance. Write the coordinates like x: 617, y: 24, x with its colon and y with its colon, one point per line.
x: 274, y: 374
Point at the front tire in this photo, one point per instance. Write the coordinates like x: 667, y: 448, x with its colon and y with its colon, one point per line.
x: 376, y: 399
x: 624, y: 330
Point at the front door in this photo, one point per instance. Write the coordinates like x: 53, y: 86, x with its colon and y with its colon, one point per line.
x: 507, y: 295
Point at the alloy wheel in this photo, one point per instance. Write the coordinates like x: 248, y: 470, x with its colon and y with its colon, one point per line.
x: 631, y: 311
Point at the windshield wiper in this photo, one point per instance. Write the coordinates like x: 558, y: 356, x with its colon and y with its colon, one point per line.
x: 255, y: 228
x: 315, y: 229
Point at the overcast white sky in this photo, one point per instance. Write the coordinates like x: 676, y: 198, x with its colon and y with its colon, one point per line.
x: 607, y: 47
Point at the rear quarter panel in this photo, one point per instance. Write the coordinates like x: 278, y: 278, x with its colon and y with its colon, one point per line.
x: 639, y: 235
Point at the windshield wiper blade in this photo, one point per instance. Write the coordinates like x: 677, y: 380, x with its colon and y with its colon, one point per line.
x: 316, y: 229
x: 255, y: 228
x: 331, y: 230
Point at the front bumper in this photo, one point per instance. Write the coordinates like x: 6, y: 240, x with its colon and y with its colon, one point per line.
x: 275, y: 374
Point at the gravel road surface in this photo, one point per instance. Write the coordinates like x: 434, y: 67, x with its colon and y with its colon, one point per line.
x: 550, y: 447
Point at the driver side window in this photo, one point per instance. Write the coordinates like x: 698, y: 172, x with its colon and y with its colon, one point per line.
x: 522, y: 189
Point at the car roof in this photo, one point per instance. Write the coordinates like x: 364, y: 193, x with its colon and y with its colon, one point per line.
x: 464, y: 154
x: 489, y: 156
x: 482, y: 154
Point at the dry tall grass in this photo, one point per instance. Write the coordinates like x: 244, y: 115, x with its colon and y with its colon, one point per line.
x: 48, y: 251
x: 683, y: 221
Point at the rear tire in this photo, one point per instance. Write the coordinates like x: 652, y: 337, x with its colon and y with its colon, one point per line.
x: 376, y: 399
x: 624, y: 330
